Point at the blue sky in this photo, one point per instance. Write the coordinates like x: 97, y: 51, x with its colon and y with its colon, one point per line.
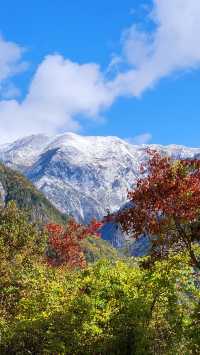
x: 124, y: 68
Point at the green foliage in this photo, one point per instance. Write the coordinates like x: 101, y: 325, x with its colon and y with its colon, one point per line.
x: 20, y: 244
x: 27, y: 197
x: 108, y: 308
x: 18, y: 235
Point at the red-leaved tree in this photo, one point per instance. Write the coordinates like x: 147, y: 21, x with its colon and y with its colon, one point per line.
x: 64, y: 243
x: 165, y: 205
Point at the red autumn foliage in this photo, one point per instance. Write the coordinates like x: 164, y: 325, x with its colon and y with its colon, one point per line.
x: 94, y: 227
x: 64, y: 243
x: 165, y: 205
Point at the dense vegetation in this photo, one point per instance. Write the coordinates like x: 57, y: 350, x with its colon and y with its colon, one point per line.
x: 52, y: 301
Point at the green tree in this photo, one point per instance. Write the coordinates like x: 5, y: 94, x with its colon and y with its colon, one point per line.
x: 20, y: 243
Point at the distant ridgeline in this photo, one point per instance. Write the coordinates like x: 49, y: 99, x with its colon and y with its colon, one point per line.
x: 14, y: 186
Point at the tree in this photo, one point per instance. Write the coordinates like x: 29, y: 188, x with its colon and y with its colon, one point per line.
x: 165, y: 205
x: 19, y: 239
x: 64, y: 243
x: 21, y: 243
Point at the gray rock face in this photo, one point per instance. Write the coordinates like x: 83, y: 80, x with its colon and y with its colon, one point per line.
x: 112, y: 233
x: 82, y: 176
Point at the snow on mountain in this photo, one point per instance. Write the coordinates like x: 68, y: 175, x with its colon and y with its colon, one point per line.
x: 23, y: 152
x: 82, y: 176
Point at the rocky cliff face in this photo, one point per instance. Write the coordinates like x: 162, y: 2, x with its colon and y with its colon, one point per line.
x: 82, y: 176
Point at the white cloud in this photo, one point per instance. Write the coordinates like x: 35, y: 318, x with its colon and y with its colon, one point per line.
x: 173, y: 45
x: 10, y: 61
x: 140, y: 139
x: 61, y: 90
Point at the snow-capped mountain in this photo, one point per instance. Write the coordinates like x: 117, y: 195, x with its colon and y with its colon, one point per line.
x: 82, y: 176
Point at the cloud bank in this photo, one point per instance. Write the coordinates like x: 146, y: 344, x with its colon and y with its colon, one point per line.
x: 61, y: 90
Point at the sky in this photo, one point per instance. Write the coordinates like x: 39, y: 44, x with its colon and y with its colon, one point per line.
x: 125, y: 68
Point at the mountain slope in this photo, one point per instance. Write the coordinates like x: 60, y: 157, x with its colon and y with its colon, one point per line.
x: 14, y: 186
x: 96, y: 248
x: 82, y: 176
